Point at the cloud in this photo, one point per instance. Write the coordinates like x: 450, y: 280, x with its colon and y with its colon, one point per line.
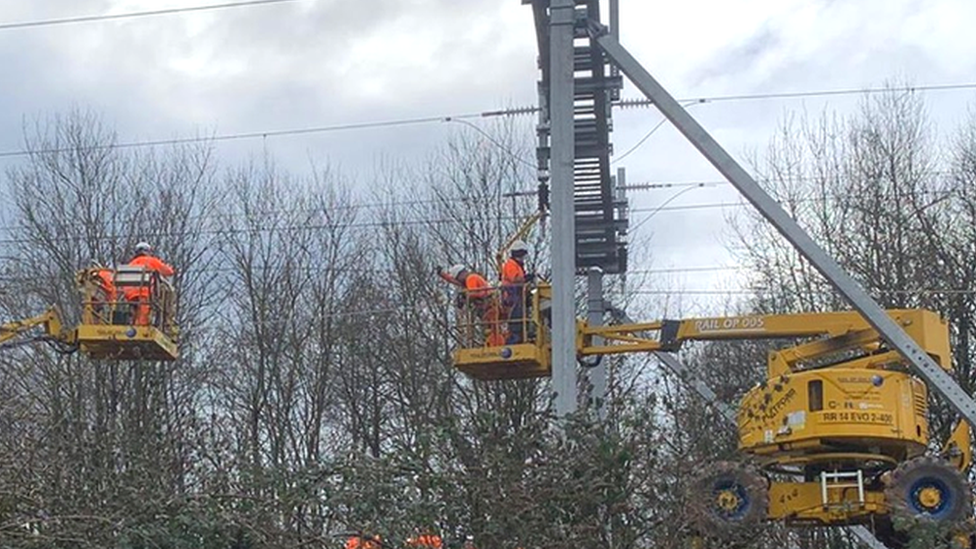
x: 323, y: 62
x: 279, y: 66
x: 740, y: 58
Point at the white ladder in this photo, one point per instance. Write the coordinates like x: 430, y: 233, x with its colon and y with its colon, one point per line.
x: 839, y: 480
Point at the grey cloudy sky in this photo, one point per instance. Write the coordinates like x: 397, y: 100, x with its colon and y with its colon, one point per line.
x: 326, y: 62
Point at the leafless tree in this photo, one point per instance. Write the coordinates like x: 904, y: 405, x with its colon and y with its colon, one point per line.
x: 99, y: 446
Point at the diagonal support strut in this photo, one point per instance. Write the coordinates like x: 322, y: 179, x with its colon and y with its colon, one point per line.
x: 771, y: 210
x: 931, y: 372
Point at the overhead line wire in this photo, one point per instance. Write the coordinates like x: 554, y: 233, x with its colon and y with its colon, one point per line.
x: 682, y: 291
x: 405, y: 222
x: 518, y: 111
x: 642, y: 102
x: 315, y: 269
x: 130, y: 15
x: 648, y: 186
x: 648, y: 135
x: 284, y: 229
x: 253, y: 135
x: 759, y: 291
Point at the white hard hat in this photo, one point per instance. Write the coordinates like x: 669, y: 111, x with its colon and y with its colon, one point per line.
x: 518, y: 246
x: 143, y: 247
x: 454, y: 271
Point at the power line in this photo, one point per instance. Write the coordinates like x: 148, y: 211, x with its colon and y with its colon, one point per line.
x: 703, y: 206
x: 661, y: 207
x: 640, y: 102
x: 398, y: 223
x: 646, y: 136
x: 330, y: 208
x: 644, y: 102
x: 282, y: 229
x: 353, y: 225
x: 744, y: 204
x: 653, y: 186
x: 518, y: 111
x: 253, y: 135
x: 656, y: 186
x: 391, y: 271
x: 134, y: 14
x: 493, y: 141
x: 669, y: 270
x: 924, y: 291
x: 639, y: 142
x: 681, y: 291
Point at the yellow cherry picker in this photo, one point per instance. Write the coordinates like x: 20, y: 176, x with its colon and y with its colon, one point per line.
x: 108, y: 329
x: 839, y: 428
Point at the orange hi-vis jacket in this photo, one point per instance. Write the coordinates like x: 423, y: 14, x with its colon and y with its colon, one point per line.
x: 427, y: 541
x: 476, y: 287
x: 107, y: 282
x: 513, y: 280
x: 478, y: 293
x: 151, y: 263
x: 513, y: 272
x: 363, y: 542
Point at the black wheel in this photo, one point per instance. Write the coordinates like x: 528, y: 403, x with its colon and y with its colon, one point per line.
x: 928, y: 489
x: 729, y: 496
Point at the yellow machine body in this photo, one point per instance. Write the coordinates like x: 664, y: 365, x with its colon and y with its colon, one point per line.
x: 837, y: 411
x: 107, y: 330
x: 810, y: 503
x: 476, y: 357
x: 837, y: 415
x: 522, y: 361
x: 108, y: 342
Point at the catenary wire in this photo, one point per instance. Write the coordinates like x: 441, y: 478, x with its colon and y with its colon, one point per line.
x: 444, y: 221
x: 492, y: 140
x: 391, y: 271
x: 921, y: 291
x: 651, y: 186
x: 663, y: 205
x: 625, y: 103
x: 397, y: 223
x: 683, y: 291
x: 640, y: 142
x: 518, y: 111
x: 134, y: 14
x: 254, y: 135
x: 413, y: 202
x: 647, y: 136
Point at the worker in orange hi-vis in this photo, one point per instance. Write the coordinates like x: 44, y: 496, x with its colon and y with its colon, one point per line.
x: 480, y: 296
x: 101, y: 304
x: 141, y: 295
x: 514, y: 295
x: 364, y: 542
x: 426, y: 541
x: 106, y: 281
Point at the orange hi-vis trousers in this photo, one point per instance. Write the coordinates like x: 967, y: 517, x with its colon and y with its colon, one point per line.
x: 490, y: 312
x: 142, y: 308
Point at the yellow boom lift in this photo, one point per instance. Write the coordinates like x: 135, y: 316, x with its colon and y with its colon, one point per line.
x: 838, y: 430
x: 107, y: 330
